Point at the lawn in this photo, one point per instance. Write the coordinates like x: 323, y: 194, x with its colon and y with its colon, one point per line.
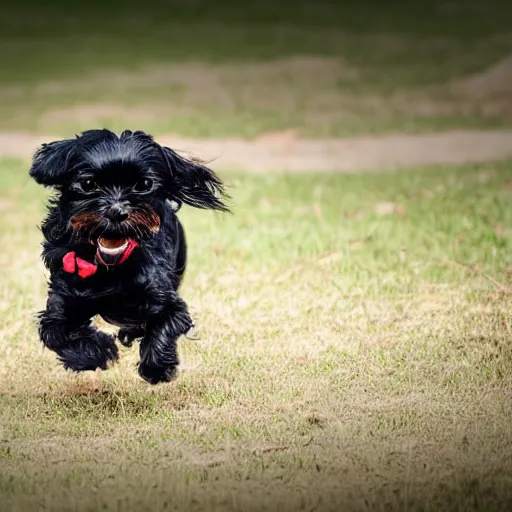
x: 239, y: 70
x: 354, y: 353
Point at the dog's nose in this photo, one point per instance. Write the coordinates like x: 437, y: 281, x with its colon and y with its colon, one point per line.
x: 117, y: 212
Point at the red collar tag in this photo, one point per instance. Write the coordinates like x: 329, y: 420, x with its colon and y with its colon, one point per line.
x: 71, y: 263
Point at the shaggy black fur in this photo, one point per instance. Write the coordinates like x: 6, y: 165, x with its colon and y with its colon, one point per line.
x: 118, y: 187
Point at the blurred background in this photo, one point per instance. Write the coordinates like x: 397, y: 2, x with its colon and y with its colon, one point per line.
x: 240, y: 69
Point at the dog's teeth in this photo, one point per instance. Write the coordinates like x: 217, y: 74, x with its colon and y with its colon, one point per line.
x: 114, y: 251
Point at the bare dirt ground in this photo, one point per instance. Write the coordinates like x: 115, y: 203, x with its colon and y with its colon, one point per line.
x: 489, y: 90
x: 283, y: 151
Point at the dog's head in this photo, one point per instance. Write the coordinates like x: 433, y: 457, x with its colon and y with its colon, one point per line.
x: 113, y: 189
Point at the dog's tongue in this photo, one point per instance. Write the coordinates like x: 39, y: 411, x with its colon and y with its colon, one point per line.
x: 112, y: 252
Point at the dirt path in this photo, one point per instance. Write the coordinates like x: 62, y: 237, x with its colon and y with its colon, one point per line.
x: 285, y: 152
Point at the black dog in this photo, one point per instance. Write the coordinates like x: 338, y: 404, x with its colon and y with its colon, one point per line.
x: 115, y: 247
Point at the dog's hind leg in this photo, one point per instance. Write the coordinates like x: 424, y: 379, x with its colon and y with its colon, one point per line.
x: 65, y: 328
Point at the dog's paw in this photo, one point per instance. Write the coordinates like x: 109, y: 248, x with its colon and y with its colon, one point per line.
x: 127, y: 335
x: 157, y: 374
x: 89, y: 353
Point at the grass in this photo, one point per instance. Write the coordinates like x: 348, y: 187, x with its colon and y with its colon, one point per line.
x: 386, y: 66
x: 354, y: 353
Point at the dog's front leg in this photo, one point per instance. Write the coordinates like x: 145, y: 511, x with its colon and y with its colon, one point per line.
x: 65, y: 328
x: 158, y: 349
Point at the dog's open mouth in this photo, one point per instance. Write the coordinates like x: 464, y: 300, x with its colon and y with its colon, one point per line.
x: 114, y: 251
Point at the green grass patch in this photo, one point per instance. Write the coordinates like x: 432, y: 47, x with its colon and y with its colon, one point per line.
x: 71, y: 68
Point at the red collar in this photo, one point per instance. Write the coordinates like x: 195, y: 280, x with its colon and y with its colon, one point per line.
x: 71, y: 262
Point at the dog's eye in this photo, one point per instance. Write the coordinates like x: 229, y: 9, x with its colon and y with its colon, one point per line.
x: 144, y: 185
x: 87, y: 186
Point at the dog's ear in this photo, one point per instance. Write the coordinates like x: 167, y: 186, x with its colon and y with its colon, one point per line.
x: 51, y: 161
x: 192, y: 183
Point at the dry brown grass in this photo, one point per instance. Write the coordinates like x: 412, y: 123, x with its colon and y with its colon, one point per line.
x: 349, y: 356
